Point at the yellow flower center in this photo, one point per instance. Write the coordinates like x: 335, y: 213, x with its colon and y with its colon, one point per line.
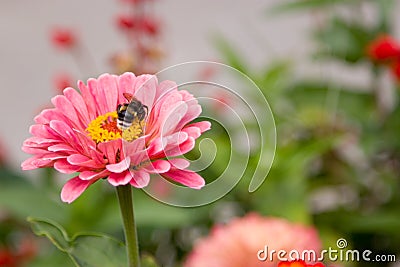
x: 104, y: 128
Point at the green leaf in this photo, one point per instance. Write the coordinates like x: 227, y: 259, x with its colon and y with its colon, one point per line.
x: 351, y: 102
x: 22, y: 199
x: 85, y: 250
x: 344, y: 40
x: 230, y: 55
x: 386, y: 8
x: 297, y: 5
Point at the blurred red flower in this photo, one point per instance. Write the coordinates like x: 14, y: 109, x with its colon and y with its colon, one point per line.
x: 395, y: 69
x: 63, y: 38
x: 146, y: 25
x: 125, y: 22
x: 384, y: 48
x: 149, y: 26
x: 26, y: 250
x: 7, y: 258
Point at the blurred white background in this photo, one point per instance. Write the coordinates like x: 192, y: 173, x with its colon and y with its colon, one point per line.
x: 29, y: 61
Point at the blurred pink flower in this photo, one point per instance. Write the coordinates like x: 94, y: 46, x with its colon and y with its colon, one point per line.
x: 125, y: 22
x: 63, y: 38
x: 3, y: 153
x: 299, y: 263
x: 149, y: 26
x: 237, y: 243
x: 135, y: 2
x: 81, y: 135
x: 62, y: 81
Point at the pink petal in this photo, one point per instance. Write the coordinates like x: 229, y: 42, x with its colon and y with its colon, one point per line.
x: 175, y: 115
x: 41, y: 131
x: 108, y: 87
x: 35, y: 162
x: 67, y: 109
x: 74, y: 188
x: 186, y: 177
x: 179, y: 163
x: 165, y: 87
x: 110, y: 149
x: 131, y: 148
x: 117, y: 179
x: 192, y: 132
x: 61, y: 148
x: 157, y: 146
x: 90, y: 175
x: 39, y: 142
x: 51, y: 156
x: 97, y: 93
x: 29, y: 164
x: 34, y: 150
x: 63, y: 166
x: 81, y: 160
x: 80, y: 106
x: 120, y: 166
x: 89, y: 100
x: 202, y: 125
x: 140, y: 179
x: 125, y: 84
x: 48, y: 115
x: 161, y: 109
x: 145, y: 89
x: 139, y: 157
x: 196, y: 129
x: 182, y: 148
x: 64, y: 131
x: 193, y: 111
x: 158, y: 166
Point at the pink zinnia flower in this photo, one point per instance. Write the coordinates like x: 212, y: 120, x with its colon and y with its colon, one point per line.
x: 238, y: 243
x: 81, y: 135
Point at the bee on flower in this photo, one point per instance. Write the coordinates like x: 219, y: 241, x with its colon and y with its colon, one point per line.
x: 121, y: 128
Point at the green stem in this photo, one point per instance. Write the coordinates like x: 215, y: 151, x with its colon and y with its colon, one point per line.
x: 125, y: 203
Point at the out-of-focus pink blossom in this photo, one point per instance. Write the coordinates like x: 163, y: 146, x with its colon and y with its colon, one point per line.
x: 80, y: 134
x: 125, y: 22
x: 63, y: 38
x: 135, y: 2
x: 62, y: 81
x: 149, y: 26
x: 238, y: 243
